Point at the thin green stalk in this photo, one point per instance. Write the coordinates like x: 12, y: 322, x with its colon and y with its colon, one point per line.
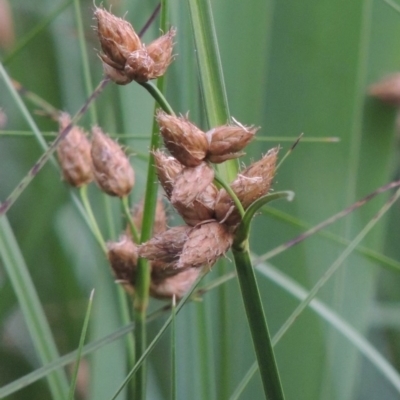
x: 231, y: 193
x: 141, y: 300
x: 257, y: 323
x: 158, y: 336
x: 92, y: 220
x: 158, y: 97
x: 85, y: 59
x: 174, y: 374
x: 80, y: 347
x: 128, y: 214
x: 31, y: 307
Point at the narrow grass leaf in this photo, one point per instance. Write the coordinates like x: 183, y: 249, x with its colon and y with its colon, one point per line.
x: 80, y: 347
x: 31, y: 307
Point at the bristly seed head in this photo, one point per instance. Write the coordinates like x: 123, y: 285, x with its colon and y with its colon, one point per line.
x: 251, y: 184
x: 205, y: 244
x: 112, y: 170
x: 187, y: 143
x: 177, y: 285
x: 123, y: 256
x: 227, y: 142
x: 166, y: 246
x: 168, y: 168
x: 190, y: 183
x: 125, y: 58
x: 74, y: 154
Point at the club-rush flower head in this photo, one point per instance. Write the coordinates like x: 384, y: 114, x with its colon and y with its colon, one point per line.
x: 184, y: 140
x: 125, y: 58
x: 227, y: 141
x: 123, y: 256
x: 251, y: 184
x: 112, y: 171
x: 74, y: 154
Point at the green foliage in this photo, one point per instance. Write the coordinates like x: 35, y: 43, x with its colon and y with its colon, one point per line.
x: 290, y: 67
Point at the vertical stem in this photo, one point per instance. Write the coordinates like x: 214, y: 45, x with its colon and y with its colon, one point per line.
x: 257, y: 323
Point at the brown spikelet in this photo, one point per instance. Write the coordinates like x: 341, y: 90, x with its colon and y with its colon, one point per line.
x: 387, y: 90
x: 112, y: 170
x: 74, y: 154
x: 252, y: 183
x: 201, y: 209
x: 166, y: 246
x: 227, y: 142
x: 167, y: 170
x: 7, y: 32
x: 139, y: 66
x: 206, y: 243
x: 160, y: 219
x: 190, y: 183
x: 123, y: 256
x: 177, y: 285
x: 117, y: 37
x: 160, y: 50
x: 125, y: 58
x: 187, y: 143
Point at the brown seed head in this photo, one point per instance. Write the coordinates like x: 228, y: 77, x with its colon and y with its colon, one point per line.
x: 226, y: 142
x: 123, y: 256
x: 160, y: 220
x: 190, y: 183
x: 206, y: 243
x: 160, y: 50
x: 167, y: 246
x: 177, y: 285
x: 139, y: 66
x: 117, y: 38
x: 202, y: 208
x: 251, y: 184
x: 167, y: 170
x: 187, y: 143
x: 74, y: 154
x: 112, y: 170
x: 387, y: 90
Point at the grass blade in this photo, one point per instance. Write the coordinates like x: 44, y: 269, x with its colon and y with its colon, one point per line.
x: 31, y: 307
x: 80, y: 347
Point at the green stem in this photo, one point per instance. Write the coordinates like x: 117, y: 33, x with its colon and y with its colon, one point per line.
x: 92, y: 220
x: 132, y: 227
x: 158, y: 97
x: 257, y: 323
x: 231, y: 193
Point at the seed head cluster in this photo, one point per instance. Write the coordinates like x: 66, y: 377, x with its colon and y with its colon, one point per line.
x: 101, y: 159
x: 125, y: 58
x: 176, y: 255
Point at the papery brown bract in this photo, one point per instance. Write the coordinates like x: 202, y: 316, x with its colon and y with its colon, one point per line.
x: 74, y: 154
x: 187, y: 143
x: 112, y: 170
x: 205, y: 244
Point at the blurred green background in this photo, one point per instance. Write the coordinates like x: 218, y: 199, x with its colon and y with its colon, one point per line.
x: 290, y: 67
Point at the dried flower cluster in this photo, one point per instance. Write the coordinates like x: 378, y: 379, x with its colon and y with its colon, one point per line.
x: 102, y: 159
x: 176, y: 255
x: 125, y: 58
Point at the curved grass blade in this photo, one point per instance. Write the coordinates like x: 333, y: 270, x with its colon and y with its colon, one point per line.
x: 79, y: 351
x: 243, y: 230
x: 31, y: 307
